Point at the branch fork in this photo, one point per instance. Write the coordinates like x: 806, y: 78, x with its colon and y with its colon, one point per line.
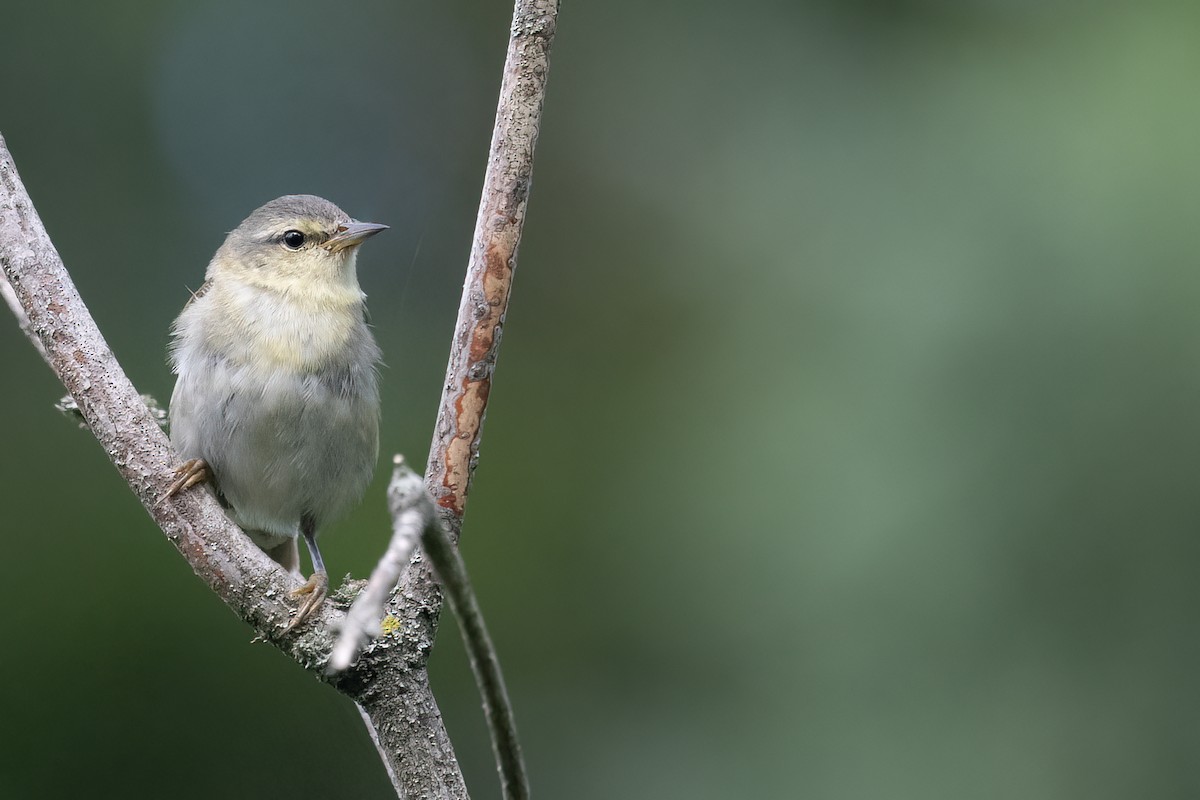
x: 388, y: 679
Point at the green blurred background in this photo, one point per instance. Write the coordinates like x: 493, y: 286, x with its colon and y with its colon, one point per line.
x: 845, y: 438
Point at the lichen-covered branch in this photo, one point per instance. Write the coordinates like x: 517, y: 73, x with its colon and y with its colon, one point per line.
x: 233, y: 567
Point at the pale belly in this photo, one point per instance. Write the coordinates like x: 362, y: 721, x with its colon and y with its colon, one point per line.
x: 282, y: 446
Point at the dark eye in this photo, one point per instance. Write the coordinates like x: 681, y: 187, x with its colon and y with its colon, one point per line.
x: 293, y: 240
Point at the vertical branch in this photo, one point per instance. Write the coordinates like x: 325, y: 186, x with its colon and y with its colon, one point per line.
x: 476, y: 342
x: 475, y: 346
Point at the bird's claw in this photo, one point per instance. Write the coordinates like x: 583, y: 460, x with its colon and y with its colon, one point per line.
x: 314, y: 592
x: 187, y: 475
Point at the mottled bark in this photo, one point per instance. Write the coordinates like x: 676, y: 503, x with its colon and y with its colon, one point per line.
x: 455, y: 449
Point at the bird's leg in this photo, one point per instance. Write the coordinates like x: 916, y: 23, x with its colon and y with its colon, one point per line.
x: 316, y: 588
x: 187, y: 475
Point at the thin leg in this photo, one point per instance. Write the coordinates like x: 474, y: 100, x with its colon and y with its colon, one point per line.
x: 308, y: 530
x: 316, y: 588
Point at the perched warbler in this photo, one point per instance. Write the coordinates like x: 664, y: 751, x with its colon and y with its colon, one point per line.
x: 277, y: 400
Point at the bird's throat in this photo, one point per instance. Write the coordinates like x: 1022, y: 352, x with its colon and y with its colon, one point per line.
x: 300, y: 328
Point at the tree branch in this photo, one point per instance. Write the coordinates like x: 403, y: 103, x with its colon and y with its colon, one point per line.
x: 454, y: 452
x: 414, y: 522
x: 474, y: 347
x: 476, y: 342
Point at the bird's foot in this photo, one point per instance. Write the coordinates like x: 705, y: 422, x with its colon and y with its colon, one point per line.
x: 187, y: 475
x: 314, y: 592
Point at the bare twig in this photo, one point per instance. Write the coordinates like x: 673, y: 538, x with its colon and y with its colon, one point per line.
x: 506, y: 746
x: 412, y: 513
x: 413, y: 521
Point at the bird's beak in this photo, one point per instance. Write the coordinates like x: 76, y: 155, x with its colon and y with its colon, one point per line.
x: 352, y: 234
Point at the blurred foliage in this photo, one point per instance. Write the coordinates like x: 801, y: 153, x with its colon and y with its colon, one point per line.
x: 845, y: 439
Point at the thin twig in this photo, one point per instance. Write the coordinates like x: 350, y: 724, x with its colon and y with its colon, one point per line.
x: 412, y: 513
x: 413, y: 521
x: 506, y: 745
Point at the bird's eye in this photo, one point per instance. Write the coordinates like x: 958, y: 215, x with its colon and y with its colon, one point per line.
x: 293, y: 240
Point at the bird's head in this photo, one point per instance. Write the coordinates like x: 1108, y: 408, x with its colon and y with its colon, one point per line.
x: 295, y: 245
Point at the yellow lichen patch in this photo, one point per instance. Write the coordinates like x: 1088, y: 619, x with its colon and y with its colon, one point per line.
x: 390, y: 625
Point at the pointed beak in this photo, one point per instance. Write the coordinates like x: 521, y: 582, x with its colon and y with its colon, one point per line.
x: 352, y: 234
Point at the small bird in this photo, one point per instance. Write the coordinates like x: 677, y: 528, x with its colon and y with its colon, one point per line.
x: 277, y: 400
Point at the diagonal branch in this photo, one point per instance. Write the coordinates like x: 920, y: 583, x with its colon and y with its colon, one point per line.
x: 77, y: 352
x: 389, y: 684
